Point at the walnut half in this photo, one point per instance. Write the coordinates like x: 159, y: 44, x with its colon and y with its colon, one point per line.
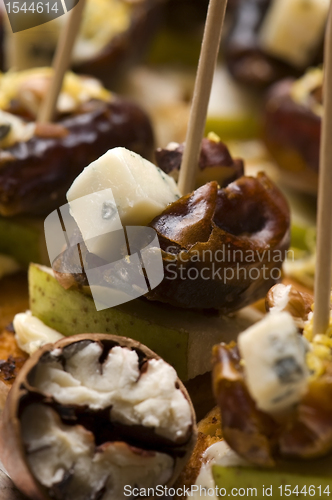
x: 92, y: 414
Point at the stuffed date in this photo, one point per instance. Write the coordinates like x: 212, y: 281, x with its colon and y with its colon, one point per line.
x: 292, y: 127
x: 215, y: 162
x: 39, y: 162
x: 219, y: 250
x: 282, y: 382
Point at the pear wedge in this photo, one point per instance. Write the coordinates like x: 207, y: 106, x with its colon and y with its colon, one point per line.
x: 183, y: 338
x: 288, y: 479
x: 235, y: 116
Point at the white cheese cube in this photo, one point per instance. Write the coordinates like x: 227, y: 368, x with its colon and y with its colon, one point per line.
x: 293, y: 29
x: 126, y: 189
x: 274, y: 356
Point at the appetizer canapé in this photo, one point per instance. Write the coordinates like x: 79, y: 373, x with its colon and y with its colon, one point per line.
x: 89, y: 119
x: 211, y: 225
x: 274, y: 427
x: 273, y: 389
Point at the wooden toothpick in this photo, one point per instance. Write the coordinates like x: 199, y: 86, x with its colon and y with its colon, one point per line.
x: 202, y: 91
x: 61, y: 62
x: 324, y: 217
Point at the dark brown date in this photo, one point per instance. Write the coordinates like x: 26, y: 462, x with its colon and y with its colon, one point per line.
x: 304, y: 433
x: 215, y: 163
x: 35, y: 175
x: 215, y: 243
x: 292, y: 135
x: 249, y: 431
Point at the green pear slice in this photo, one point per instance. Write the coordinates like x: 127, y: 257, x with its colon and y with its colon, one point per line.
x: 236, y: 114
x: 288, y: 479
x: 171, y: 46
x: 183, y: 338
x: 243, y: 127
x: 23, y: 238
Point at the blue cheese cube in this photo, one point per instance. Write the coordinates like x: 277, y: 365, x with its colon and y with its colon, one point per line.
x: 274, y: 356
x: 119, y: 189
x: 293, y: 29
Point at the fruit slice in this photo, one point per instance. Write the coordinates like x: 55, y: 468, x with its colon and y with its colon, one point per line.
x: 288, y: 479
x: 232, y: 112
x: 183, y: 338
x: 23, y: 239
x: 120, y: 186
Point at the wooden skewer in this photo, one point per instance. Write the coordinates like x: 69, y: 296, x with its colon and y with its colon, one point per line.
x: 324, y: 217
x: 204, y: 78
x: 61, y: 62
